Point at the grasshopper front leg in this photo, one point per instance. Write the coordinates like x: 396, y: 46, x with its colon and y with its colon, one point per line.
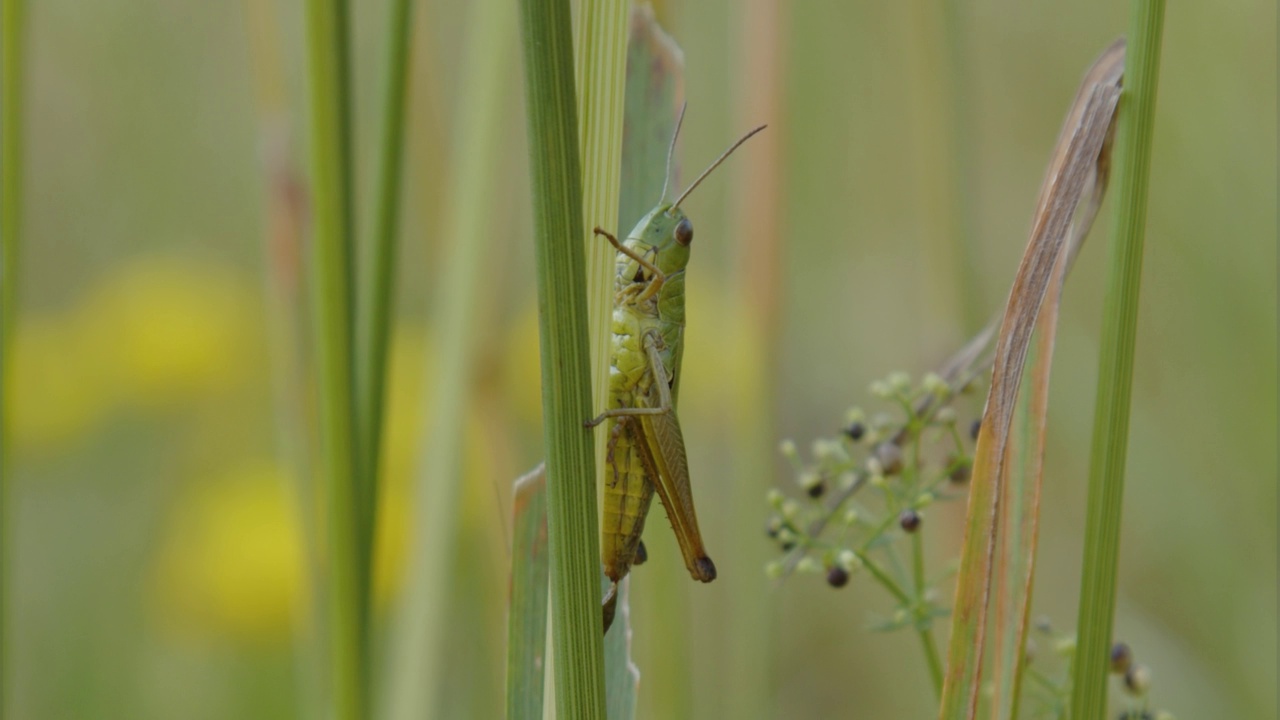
x: 657, y: 276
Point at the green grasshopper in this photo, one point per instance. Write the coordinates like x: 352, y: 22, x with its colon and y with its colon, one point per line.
x: 646, y: 448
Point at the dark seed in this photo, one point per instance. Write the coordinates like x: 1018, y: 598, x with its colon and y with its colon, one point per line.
x: 961, y: 473
x: 642, y: 554
x: 788, y: 546
x: 837, y: 577
x: 1121, y: 658
x: 974, y: 428
x: 909, y: 520
x: 815, y: 490
x: 855, y: 431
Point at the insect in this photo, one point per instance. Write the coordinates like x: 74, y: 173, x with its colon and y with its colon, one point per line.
x: 645, y: 449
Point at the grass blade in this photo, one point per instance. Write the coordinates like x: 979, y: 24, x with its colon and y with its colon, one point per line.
x: 566, y: 368
x: 757, y: 231
x: 418, y: 649
x: 654, y: 93
x: 1070, y: 173
x: 332, y: 305
x: 621, y: 676
x: 12, y: 34
x: 1115, y: 364
x: 601, y: 81
x: 527, y: 610
x: 286, y: 309
x: 1020, y: 508
x: 376, y: 290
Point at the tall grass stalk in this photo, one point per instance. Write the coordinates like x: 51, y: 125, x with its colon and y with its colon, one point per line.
x: 572, y: 525
x: 11, y: 76
x: 754, y: 235
x: 285, y: 322
x: 418, y: 648
x: 601, y: 72
x: 376, y: 290
x: 332, y: 305
x: 1115, y: 362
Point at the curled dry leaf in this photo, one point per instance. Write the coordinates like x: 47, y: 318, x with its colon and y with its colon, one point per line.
x: 1002, y: 518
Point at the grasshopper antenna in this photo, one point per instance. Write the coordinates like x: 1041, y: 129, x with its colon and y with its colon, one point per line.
x: 671, y: 151
x: 715, y: 165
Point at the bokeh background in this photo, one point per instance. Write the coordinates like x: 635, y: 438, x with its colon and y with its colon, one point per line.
x: 160, y: 507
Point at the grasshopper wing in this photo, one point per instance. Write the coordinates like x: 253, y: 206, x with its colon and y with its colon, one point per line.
x: 665, y: 444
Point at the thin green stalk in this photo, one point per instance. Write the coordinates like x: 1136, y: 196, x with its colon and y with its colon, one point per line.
x: 884, y: 578
x: 11, y: 50
x: 572, y: 527
x: 1115, y: 361
x: 469, y: 232
x: 332, y: 303
x: 926, y: 633
x: 754, y: 233
x: 285, y: 324
x: 601, y: 73
x: 376, y: 290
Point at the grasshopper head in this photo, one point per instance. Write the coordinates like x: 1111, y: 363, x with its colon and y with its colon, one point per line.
x: 667, y: 234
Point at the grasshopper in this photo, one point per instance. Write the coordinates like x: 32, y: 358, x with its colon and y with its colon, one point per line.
x: 645, y: 449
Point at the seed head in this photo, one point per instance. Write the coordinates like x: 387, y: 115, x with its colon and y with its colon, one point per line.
x: 909, y: 520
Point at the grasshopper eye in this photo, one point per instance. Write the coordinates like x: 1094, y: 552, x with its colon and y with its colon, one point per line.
x: 684, y: 232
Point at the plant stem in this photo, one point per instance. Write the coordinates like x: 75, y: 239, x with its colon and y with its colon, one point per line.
x: 884, y: 578
x: 11, y: 50
x: 934, y: 660
x: 931, y: 650
x: 566, y: 368
x: 376, y: 291
x: 468, y: 236
x: 332, y: 303
x: 1115, y: 362
x: 601, y: 83
x: 926, y: 634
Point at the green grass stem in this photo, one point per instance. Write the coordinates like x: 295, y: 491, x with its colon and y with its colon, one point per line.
x: 601, y: 72
x: 11, y: 77
x: 1115, y: 361
x: 419, y: 654
x: 332, y: 304
x: 566, y: 369
x: 376, y: 289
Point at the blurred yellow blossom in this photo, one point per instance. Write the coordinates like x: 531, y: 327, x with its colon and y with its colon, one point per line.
x: 156, y: 332
x: 167, y: 329
x: 408, y: 366
x: 233, y: 560
x: 231, y: 563
x: 522, y: 368
x: 58, y: 387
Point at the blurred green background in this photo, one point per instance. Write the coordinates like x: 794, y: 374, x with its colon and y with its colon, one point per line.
x: 160, y: 566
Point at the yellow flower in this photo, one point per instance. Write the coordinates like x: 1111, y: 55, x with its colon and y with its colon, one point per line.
x: 167, y: 330
x: 232, y: 563
x: 57, y: 384
x: 408, y: 367
x: 522, y: 369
